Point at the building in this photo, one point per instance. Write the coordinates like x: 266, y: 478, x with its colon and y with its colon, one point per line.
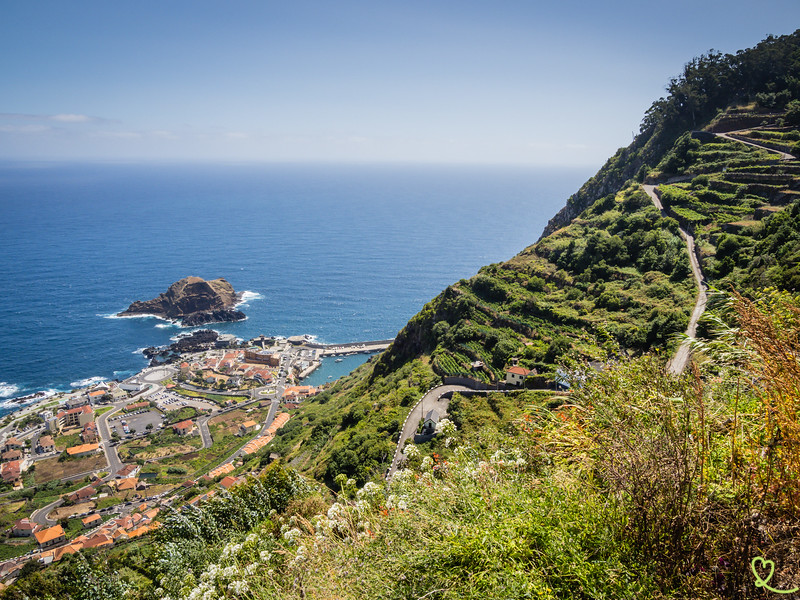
x: 76, y: 402
x: 82, y: 494
x: 91, y: 521
x: 127, y: 484
x: 262, y: 357
x: 24, y: 528
x: 298, y: 392
x: 516, y: 375
x: 133, y: 386
x: 136, y: 406
x: 76, y: 417
x: 247, y: 427
x: 45, y: 444
x: 11, y: 472
x: 128, y: 471
x: 430, y: 422
x: 82, y: 450
x: 89, y: 433
x: 50, y: 536
x: 97, y: 396
x: 10, y: 455
x: 184, y: 427
x: 13, y: 443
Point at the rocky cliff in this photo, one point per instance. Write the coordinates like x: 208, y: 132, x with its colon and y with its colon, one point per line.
x: 193, y: 301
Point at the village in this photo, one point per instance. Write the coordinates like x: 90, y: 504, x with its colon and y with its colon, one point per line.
x: 96, y: 466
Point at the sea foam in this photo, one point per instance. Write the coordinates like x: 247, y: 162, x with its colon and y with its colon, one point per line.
x: 7, y: 390
x: 247, y: 296
x: 81, y: 383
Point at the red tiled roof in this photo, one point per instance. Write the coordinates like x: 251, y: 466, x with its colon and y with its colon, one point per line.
x: 518, y: 371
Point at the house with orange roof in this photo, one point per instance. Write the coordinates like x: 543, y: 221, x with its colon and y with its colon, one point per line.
x: 227, y: 482
x: 247, y: 427
x: 97, y: 395
x: 91, y: 521
x: 59, y: 553
x: 184, y: 427
x: 151, y: 514
x: 98, y: 540
x: 82, y: 450
x: 127, y: 484
x: 299, y: 392
x: 222, y: 470
x: 516, y: 375
x: 50, y: 536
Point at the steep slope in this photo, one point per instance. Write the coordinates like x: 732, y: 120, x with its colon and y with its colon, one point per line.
x: 610, y: 277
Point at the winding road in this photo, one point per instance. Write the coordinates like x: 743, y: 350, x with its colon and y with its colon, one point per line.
x: 678, y: 362
x: 432, y: 399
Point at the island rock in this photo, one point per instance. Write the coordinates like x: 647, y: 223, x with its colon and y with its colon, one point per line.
x: 192, y: 301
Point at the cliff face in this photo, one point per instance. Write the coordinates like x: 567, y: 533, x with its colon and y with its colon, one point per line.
x: 192, y: 300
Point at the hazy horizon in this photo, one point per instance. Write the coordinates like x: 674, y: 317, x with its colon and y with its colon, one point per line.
x: 518, y: 83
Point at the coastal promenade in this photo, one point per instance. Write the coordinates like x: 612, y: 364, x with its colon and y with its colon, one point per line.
x: 352, y: 347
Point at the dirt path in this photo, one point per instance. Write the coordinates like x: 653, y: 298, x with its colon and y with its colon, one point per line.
x: 678, y: 362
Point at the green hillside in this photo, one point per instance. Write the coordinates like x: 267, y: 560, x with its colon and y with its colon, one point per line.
x: 637, y: 484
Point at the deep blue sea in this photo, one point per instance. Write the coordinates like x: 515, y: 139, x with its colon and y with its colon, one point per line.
x: 342, y: 252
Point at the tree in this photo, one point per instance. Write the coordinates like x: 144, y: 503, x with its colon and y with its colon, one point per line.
x: 792, y: 116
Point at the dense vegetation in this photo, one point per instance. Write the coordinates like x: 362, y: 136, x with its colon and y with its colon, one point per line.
x: 638, y: 485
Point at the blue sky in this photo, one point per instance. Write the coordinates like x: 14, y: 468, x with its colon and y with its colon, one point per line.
x: 557, y: 83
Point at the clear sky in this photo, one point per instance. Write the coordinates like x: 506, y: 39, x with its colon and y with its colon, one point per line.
x: 564, y: 82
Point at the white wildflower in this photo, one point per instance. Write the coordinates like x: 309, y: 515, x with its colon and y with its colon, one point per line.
x: 427, y: 463
x: 411, y: 451
x: 231, y: 550
x: 250, y: 569
x: 292, y: 535
x: 446, y: 427
x: 265, y: 556
x: 229, y: 572
x: 238, y: 587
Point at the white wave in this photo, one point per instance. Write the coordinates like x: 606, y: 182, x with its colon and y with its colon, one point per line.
x: 8, y: 389
x: 247, y: 296
x: 82, y: 383
x: 138, y: 351
x: 167, y: 325
x: 139, y: 316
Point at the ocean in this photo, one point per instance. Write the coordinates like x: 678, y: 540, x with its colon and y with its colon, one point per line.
x: 341, y: 252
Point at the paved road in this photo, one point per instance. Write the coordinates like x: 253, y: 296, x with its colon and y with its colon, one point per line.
x: 40, y: 516
x: 205, y: 434
x: 432, y: 399
x: 681, y: 358
x: 112, y: 457
x: 727, y: 136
